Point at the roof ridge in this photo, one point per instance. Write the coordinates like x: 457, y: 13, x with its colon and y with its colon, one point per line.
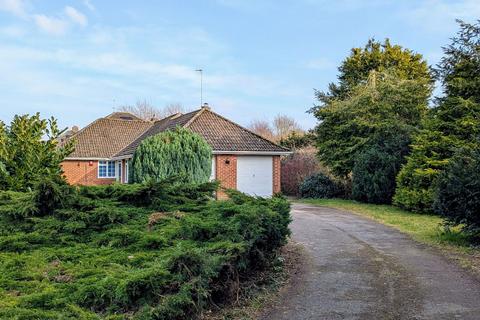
x: 123, y: 120
x: 83, y: 129
x: 239, y: 126
x: 199, y: 112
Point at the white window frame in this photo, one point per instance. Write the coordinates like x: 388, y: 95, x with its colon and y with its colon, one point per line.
x: 126, y: 171
x: 118, y: 165
x: 106, y: 163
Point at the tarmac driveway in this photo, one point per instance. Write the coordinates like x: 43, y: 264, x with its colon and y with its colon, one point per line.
x: 359, y: 269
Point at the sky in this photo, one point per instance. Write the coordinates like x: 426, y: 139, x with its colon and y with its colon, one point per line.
x: 79, y: 60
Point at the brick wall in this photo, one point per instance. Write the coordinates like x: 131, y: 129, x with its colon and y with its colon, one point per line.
x: 83, y: 172
x: 276, y: 174
x: 226, y: 173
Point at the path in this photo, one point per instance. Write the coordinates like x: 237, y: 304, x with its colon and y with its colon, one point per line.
x: 359, y: 269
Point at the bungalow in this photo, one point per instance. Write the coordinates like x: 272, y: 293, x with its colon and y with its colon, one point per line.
x: 241, y: 159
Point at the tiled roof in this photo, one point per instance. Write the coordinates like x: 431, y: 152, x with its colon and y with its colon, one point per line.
x: 105, y: 137
x: 159, y: 126
x: 117, y: 136
x: 225, y: 135
x: 221, y: 133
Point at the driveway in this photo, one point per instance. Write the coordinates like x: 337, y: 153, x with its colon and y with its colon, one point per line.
x: 359, y: 269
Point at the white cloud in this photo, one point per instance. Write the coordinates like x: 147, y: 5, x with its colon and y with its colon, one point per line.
x: 89, y: 5
x: 16, y: 7
x: 76, y: 16
x: 440, y: 15
x: 51, y: 25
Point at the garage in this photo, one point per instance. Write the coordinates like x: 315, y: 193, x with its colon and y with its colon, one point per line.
x: 254, y: 175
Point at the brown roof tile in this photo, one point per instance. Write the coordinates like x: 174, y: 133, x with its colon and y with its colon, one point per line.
x: 221, y: 133
x: 225, y: 135
x: 105, y: 137
x: 159, y: 126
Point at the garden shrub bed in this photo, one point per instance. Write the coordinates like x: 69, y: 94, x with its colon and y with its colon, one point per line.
x: 151, y: 251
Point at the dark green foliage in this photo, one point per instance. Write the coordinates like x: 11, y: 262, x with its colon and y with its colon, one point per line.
x: 29, y: 152
x: 384, y: 105
x: 161, y: 250
x: 375, y: 56
x: 374, y: 176
x: 295, y: 141
x: 173, y: 153
x: 454, y: 123
x: 320, y: 185
x: 457, y: 196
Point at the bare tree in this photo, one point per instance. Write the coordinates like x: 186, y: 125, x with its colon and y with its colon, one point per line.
x: 173, y: 108
x: 142, y: 109
x: 284, y: 125
x: 145, y: 110
x: 262, y: 128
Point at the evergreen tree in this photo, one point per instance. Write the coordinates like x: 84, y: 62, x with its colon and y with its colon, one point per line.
x: 356, y: 68
x: 178, y: 152
x: 29, y: 152
x: 380, y: 109
x: 454, y: 123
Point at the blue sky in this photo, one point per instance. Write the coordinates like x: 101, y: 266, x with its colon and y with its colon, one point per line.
x: 77, y: 60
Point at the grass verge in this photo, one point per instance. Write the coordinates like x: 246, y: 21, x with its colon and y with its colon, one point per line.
x: 427, y: 229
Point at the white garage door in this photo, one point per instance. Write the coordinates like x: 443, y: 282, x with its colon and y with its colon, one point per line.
x: 255, y: 175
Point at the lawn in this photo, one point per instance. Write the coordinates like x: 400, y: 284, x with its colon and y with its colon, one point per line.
x: 423, y: 228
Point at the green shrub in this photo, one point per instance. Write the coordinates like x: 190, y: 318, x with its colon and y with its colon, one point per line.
x: 320, y: 185
x: 374, y: 176
x: 458, y: 192
x: 178, y: 152
x: 110, y: 252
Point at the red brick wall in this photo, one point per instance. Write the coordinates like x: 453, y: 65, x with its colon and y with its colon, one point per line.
x: 226, y: 173
x: 276, y: 175
x: 83, y: 172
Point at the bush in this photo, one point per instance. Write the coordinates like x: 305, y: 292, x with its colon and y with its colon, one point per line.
x: 296, y: 167
x: 173, y: 153
x: 320, y: 186
x: 458, y: 192
x: 374, y: 176
x: 160, y: 250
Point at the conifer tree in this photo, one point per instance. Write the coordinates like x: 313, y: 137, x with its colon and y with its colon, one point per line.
x: 453, y: 124
x: 173, y: 153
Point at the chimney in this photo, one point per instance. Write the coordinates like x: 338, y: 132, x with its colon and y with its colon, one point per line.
x: 205, y: 106
x: 74, y: 129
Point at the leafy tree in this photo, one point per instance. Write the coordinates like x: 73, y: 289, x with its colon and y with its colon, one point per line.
x: 454, y: 123
x: 457, y: 197
x: 178, y: 152
x: 385, y: 106
x: 30, y: 152
x: 298, y: 140
x: 356, y: 68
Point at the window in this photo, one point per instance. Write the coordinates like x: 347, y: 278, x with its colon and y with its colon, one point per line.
x: 106, y: 169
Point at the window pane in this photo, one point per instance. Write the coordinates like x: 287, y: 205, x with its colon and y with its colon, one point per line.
x: 102, y: 171
x: 111, y: 168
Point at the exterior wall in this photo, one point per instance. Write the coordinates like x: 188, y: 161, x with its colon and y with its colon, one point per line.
x: 226, y: 173
x: 83, y: 172
x: 276, y: 175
